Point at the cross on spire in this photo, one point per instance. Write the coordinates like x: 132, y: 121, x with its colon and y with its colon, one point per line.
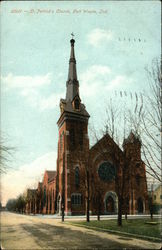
x: 72, y: 34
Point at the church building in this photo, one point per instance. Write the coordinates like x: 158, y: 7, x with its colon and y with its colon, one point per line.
x: 103, y: 173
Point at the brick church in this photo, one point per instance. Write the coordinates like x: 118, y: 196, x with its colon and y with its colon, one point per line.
x: 104, y: 171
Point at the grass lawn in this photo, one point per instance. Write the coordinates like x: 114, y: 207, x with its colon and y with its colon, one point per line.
x: 141, y: 227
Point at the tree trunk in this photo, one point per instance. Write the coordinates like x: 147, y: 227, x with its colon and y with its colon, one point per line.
x: 62, y: 214
x: 99, y: 207
x: 120, y: 212
x: 87, y: 212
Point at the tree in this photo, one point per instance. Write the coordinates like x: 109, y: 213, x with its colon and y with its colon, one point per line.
x: 17, y: 204
x: 96, y: 196
x: 11, y: 205
x: 85, y: 155
x: 143, y: 115
x: 152, y: 130
x: 116, y: 129
x: 146, y: 120
x: 21, y: 203
x: 6, y: 153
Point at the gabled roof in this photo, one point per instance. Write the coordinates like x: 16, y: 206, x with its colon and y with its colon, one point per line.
x: 51, y: 174
x: 106, y: 138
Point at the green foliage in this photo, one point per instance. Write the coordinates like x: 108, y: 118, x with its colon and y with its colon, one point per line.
x: 17, y: 205
x: 156, y: 208
x: 132, y: 226
x: 11, y: 205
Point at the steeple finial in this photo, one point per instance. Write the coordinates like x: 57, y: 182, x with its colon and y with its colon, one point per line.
x: 72, y: 34
x: 72, y: 40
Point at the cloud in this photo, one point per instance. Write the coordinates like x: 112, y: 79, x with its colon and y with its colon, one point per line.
x: 119, y: 81
x: 30, y: 87
x: 28, y: 175
x: 97, y: 36
x: 27, y: 82
x: 50, y: 102
x: 36, y: 100
x: 94, y: 78
x: 100, y: 77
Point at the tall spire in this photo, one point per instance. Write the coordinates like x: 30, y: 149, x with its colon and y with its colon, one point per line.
x: 72, y: 83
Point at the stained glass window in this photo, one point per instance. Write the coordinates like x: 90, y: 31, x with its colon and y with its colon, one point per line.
x: 106, y: 171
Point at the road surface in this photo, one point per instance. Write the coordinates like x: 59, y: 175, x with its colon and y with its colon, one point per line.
x: 34, y: 232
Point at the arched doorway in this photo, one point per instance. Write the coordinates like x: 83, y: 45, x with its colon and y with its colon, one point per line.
x: 111, y: 203
x: 140, y: 205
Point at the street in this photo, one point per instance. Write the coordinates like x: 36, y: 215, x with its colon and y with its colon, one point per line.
x: 34, y: 232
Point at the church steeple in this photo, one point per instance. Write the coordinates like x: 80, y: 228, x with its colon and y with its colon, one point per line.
x: 72, y: 83
x: 71, y: 107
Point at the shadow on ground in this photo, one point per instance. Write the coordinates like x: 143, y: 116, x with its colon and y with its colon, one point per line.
x: 51, y: 236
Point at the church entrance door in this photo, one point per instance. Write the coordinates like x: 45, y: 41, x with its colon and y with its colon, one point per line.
x: 110, y: 203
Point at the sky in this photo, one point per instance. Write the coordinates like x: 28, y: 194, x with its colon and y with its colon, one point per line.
x: 115, y: 41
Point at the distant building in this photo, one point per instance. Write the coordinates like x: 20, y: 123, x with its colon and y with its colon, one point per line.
x: 157, y: 195
x: 104, y: 162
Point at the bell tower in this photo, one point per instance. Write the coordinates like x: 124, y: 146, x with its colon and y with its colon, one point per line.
x: 73, y: 145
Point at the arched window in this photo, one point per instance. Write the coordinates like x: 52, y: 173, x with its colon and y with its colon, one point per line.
x: 107, y: 172
x: 77, y: 179
x: 76, y: 104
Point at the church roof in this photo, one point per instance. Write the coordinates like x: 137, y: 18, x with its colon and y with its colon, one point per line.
x: 69, y: 108
x: 51, y: 174
x: 105, y: 142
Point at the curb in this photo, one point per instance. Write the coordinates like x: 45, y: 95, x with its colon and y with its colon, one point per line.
x: 119, y: 233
